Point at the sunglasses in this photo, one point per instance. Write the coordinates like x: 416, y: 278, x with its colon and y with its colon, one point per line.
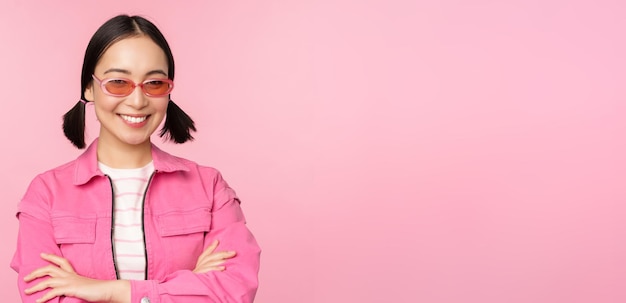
x: 122, y: 87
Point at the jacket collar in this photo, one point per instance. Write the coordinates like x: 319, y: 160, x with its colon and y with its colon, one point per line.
x: 87, y: 163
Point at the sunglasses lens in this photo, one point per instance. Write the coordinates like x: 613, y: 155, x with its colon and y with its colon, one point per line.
x: 156, y: 87
x: 118, y: 87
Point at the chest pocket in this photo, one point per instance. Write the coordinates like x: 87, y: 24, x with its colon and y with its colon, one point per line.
x: 184, y: 222
x: 73, y: 230
x: 182, y: 236
x: 76, y: 238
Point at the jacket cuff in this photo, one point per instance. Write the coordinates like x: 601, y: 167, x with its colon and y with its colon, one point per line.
x: 143, y: 292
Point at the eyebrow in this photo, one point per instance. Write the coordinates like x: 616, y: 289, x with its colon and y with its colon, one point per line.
x: 127, y: 72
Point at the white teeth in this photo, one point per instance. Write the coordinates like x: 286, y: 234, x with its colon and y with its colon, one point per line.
x: 134, y: 119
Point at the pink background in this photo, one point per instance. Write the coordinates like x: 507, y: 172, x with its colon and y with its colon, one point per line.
x: 385, y: 151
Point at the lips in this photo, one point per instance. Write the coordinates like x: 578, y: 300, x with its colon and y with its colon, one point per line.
x: 133, y: 119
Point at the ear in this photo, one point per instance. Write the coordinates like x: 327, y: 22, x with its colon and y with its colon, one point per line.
x: 89, y: 93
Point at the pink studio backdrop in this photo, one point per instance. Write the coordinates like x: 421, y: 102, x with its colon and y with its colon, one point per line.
x: 385, y: 151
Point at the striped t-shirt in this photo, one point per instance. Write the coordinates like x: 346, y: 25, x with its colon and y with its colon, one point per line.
x: 129, y: 186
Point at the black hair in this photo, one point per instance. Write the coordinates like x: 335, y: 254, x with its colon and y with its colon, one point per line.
x: 178, y: 125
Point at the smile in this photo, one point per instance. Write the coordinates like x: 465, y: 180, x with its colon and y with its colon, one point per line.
x: 131, y: 119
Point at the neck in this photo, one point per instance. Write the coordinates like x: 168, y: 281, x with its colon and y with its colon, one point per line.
x: 119, y: 155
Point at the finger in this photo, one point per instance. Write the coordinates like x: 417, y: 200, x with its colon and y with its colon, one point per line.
x: 59, y: 261
x: 203, y: 269
x: 220, y: 255
x: 215, y: 260
x: 51, y: 295
x: 211, y: 263
x: 209, y: 249
x: 49, y: 270
x: 38, y: 287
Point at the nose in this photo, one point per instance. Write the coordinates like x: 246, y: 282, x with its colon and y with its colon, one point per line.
x: 137, y: 99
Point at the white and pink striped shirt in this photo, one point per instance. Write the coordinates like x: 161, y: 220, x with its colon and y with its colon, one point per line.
x: 129, y: 186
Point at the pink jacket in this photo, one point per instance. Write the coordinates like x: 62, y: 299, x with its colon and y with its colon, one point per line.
x: 68, y: 211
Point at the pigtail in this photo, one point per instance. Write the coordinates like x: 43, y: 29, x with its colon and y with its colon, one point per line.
x: 178, y: 125
x: 74, y: 124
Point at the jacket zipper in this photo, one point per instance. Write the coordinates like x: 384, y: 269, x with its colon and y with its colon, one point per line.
x: 143, y: 226
x: 117, y: 275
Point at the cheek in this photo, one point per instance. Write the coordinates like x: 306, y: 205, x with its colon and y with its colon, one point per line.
x: 162, y: 107
x: 103, y: 106
x: 160, y: 111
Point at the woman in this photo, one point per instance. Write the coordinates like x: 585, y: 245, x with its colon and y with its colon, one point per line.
x: 125, y: 221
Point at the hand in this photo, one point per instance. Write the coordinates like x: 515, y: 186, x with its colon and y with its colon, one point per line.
x: 64, y: 281
x: 210, y: 261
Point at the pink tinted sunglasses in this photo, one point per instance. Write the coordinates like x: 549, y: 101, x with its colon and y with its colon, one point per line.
x: 122, y: 87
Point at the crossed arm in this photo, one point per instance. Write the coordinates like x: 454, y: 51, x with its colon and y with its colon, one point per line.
x: 64, y: 281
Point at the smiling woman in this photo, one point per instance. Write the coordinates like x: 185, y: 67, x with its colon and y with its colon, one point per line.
x: 125, y: 221
x: 129, y: 118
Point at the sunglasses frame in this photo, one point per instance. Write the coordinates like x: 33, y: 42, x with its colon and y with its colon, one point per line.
x: 134, y: 85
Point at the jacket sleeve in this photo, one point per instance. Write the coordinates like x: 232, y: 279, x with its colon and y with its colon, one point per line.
x: 237, y: 284
x: 35, y: 236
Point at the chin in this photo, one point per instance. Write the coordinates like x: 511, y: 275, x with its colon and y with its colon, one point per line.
x: 135, y: 141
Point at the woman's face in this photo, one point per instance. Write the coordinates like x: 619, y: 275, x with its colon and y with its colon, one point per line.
x: 132, y: 119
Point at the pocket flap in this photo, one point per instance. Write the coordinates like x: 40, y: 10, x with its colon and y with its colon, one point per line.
x: 69, y: 230
x: 184, y: 222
